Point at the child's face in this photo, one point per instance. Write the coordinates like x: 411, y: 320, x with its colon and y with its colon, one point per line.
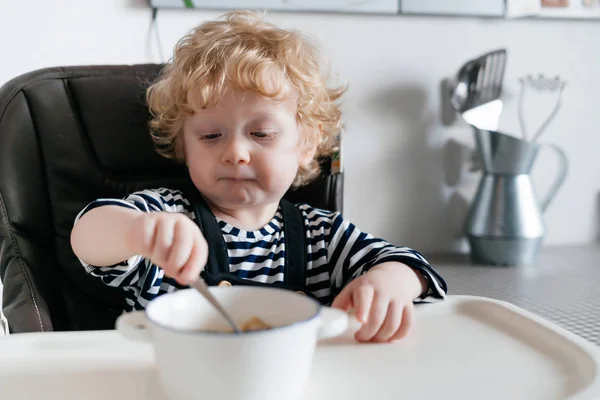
x: 244, y: 152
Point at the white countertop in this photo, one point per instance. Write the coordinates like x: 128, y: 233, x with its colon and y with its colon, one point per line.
x: 563, y: 286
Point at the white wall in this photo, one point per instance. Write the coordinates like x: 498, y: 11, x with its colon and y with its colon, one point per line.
x: 396, y: 150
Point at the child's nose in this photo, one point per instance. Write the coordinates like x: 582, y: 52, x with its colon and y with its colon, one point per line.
x: 236, y: 152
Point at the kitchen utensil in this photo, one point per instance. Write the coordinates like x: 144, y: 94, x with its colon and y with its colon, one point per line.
x: 504, y: 224
x: 540, y: 84
x: 201, y: 287
x: 477, y: 88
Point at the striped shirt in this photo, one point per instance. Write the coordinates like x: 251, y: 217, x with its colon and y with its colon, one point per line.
x: 337, y: 252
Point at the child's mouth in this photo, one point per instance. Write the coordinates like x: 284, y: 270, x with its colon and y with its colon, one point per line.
x: 234, y: 179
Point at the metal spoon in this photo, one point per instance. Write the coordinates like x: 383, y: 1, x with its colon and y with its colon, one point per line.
x: 201, y: 287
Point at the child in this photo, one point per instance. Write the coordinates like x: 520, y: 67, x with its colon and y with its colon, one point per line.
x: 244, y: 105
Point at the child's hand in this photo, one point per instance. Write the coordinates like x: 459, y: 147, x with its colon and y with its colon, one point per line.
x: 383, y: 301
x: 171, y: 240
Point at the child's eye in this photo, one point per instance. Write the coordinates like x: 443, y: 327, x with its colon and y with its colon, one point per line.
x: 262, y: 135
x: 211, y: 136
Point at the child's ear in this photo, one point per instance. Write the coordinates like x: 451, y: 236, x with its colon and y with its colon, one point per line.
x: 307, y: 155
x: 310, y: 149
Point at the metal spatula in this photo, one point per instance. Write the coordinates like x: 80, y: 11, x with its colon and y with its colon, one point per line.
x: 477, y: 88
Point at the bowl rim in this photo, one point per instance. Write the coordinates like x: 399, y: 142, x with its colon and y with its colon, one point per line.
x: 198, y: 332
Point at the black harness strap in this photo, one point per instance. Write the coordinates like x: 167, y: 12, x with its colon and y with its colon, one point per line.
x: 217, y: 267
x: 218, y: 258
x: 295, y: 245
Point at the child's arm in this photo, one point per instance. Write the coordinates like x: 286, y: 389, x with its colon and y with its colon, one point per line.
x: 110, y: 234
x: 379, y: 280
x: 123, y: 241
x: 99, y: 236
x: 351, y: 253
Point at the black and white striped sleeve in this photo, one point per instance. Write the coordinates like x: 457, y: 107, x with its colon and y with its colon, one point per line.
x: 130, y: 272
x: 352, y: 253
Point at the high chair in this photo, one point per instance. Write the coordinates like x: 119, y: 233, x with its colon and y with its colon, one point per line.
x: 69, y: 135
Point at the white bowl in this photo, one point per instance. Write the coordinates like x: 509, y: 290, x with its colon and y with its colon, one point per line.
x: 198, y: 357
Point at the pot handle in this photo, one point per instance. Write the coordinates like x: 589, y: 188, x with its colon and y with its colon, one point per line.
x: 560, y: 178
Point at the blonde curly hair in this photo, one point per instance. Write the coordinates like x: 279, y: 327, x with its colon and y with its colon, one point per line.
x: 238, y: 52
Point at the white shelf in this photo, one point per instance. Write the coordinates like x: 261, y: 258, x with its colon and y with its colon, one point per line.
x: 575, y: 10
x: 466, y: 8
x: 570, y: 13
x: 489, y: 8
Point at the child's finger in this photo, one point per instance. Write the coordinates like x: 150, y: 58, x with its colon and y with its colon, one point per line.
x: 408, y: 320
x: 362, y: 298
x: 162, y: 240
x: 343, y: 301
x: 141, y: 235
x: 391, y: 323
x: 181, y: 248
x: 376, y: 317
x: 193, y: 266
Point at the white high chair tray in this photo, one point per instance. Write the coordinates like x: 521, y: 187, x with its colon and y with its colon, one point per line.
x: 463, y: 348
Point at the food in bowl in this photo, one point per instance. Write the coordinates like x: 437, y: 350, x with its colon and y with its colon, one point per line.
x: 254, y: 324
